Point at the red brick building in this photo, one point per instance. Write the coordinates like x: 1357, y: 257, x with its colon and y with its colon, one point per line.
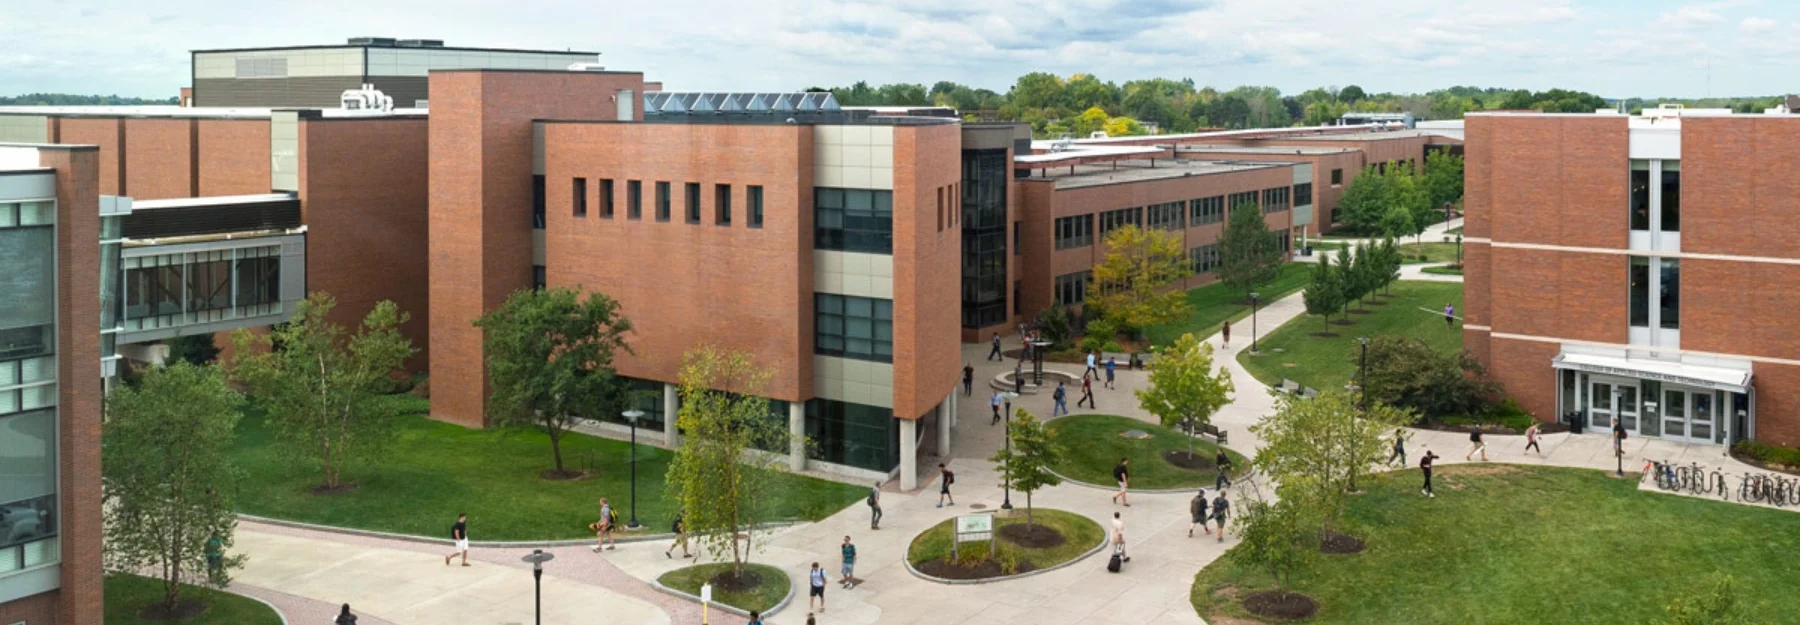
x: 1579, y: 230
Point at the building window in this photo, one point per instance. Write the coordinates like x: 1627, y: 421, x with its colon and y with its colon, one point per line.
x: 1113, y: 219
x: 606, y: 198
x: 1337, y: 177
x: 722, y: 204
x: 866, y: 437
x: 1639, y: 278
x: 1669, y: 305
x: 753, y: 196
x: 537, y: 202
x: 853, y: 327
x: 853, y: 220
x: 1166, y: 216
x: 1018, y: 302
x: 634, y: 199
x: 1018, y: 231
x: 1275, y: 200
x: 940, y: 209
x: 1671, y: 196
x: 1303, y: 194
x: 579, y: 199
x: 1073, y: 232
x: 1640, y: 195
x: 693, y: 202
x: 1239, y: 199
x: 662, y: 201
x: 1204, y: 258
x: 1284, y: 238
x: 1206, y: 210
x: 979, y: 202
x: 1071, y: 288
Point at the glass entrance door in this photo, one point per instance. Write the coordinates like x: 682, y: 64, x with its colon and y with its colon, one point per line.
x: 1613, y: 399
x: 1675, y: 414
x: 1600, y: 406
x: 1628, y: 406
x: 1691, y: 416
x: 1705, y: 417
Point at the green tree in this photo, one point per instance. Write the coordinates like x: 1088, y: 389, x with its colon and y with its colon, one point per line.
x: 722, y: 484
x: 1317, y: 447
x: 1084, y: 91
x: 1324, y: 294
x: 1037, y: 90
x: 1054, y: 325
x: 549, y: 358
x: 1274, y: 537
x: 1133, y: 280
x: 1444, y: 178
x: 1407, y: 191
x: 1351, y: 94
x: 322, y: 386
x: 166, y: 476
x: 1408, y: 373
x: 1027, y: 463
x: 1249, y: 254
x: 1090, y: 120
x: 1184, y: 390
x: 197, y: 349
x: 1365, y: 202
x: 1388, y: 261
x: 1123, y: 127
x: 1396, y: 222
x: 1355, y: 270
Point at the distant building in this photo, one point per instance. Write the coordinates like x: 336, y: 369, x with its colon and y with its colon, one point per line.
x: 1352, y: 119
x: 313, y: 76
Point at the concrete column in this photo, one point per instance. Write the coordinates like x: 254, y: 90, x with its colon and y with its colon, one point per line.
x: 669, y: 415
x: 946, y: 411
x: 909, y: 454
x: 797, y: 436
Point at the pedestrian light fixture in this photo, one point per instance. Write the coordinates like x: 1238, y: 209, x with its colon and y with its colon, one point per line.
x: 632, y: 416
x: 537, y: 558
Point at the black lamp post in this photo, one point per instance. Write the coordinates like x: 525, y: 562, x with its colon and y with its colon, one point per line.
x: 1459, y: 249
x: 1447, y: 206
x: 1037, y: 361
x: 1362, y: 377
x: 1253, y: 297
x: 537, y: 558
x: 632, y: 416
x: 1006, y: 484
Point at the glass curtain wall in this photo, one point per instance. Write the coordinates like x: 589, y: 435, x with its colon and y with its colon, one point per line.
x: 28, y: 505
x: 984, y: 238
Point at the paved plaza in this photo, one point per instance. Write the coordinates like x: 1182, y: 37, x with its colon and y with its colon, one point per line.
x: 406, y: 583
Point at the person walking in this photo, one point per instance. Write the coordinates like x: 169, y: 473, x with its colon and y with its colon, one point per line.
x: 946, y: 478
x: 1197, y: 512
x: 968, y: 379
x: 755, y: 618
x: 995, y: 353
x: 817, y: 577
x: 1224, y: 463
x: 1476, y: 444
x: 1531, y: 440
x: 603, y: 528
x: 1061, y: 399
x: 1111, y: 363
x: 875, y: 507
x: 215, y: 554
x: 995, y: 402
x: 1399, y: 447
x: 1221, y: 513
x: 679, y: 528
x: 344, y: 617
x: 1225, y: 335
x: 1091, y: 371
x: 459, y: 532
x: 1449, y: 315
x: 1122, y: 475
x: 1118, y: 524
x: 1618, y: 441
x: 1087, y: 393
x: 1019, y: 378
x: 849, y: 569
x: 1425, y: 466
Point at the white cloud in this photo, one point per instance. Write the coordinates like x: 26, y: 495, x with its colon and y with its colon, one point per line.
x: 1756, y: 25
x: 1689, y: 17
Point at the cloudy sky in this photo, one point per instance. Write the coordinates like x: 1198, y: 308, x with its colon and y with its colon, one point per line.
x: 1612, y: 47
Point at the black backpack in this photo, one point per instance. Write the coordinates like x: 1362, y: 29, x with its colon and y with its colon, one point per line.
x: 949, y: 477
x: 871, y: 498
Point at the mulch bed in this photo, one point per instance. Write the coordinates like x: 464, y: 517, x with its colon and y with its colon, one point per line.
x: 1032, y: 536
x: 1195, y: 462
x: 730, y: 581
x: 988, y: 569
x: 1279, y: 605
x: 1336, y: 543
x: 1779, y: 468
x: 183, y: 610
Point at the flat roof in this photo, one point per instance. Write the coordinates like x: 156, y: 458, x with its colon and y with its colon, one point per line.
x: 214, y: 200
x: 1377, y: 135
x: 200, y: 112
x: 1272, y: 150
x: 768, y: 119
x: 1138, y: 170
x: 391, y: 47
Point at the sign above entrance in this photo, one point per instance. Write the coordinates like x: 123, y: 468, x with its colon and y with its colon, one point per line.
x: 1716, y: 378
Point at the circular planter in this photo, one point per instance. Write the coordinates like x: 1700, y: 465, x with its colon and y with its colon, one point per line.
x: 1099, y: 546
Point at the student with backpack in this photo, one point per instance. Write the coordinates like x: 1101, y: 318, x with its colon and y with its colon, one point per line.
x: 968, y: 379
x: 995, y: 402
x: 1061, y: 397
x: 679, y: 528
x: 949, y: 477
x: 1618, y: 440
x: 875, y: 507
x: 1224, y: 463
x: 1197, y: 511
x: 995, y: 354
x: 603, y: 528
x: 1425, y: 466
x: 1111, y: 363
x: 1122, y: 475
x: 816, y: 577
x: 1475, y: 445
x: 849, y: 568
x: 1221, y: 513
x: 1399, y: 447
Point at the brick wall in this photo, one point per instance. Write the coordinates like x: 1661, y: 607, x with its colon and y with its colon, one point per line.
x: 1739, y: 192
x: 1721, y: 312
x: 927, y: 267
x: 1569, y: 295
x: 38, y: 609
x: 363, y: 187
x: 108, y: 133
x: 1777, y: 404
x: 160, y: 158
x: 1523, y: 368
x: 1556, y: 180
x: 78, y: 388
x: 234, y: 156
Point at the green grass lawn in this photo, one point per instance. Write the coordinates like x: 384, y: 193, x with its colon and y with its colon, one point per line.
x: 773, y: 589
x: 1454, y: 231
x: 1328, y: 363
x: 1326, y: 245
x: 126, y: 595
x: 434, y: 470
x: 1092, y: 446
x: 1443, y: 270
x: 1079, y: 533
x: 1434, y: 252
x: 1507, y: 544
x: 1213, y: 304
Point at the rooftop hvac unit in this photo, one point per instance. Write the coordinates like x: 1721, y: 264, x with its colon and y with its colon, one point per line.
x: 368, y: 98
x: 372, y: 41
x: 420, y: 43
x: 587, y: 66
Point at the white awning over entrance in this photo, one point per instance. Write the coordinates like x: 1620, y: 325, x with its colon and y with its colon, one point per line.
x: 1718, y: 378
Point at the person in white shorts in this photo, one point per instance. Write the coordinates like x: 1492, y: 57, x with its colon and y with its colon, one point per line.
x: 459, y: 533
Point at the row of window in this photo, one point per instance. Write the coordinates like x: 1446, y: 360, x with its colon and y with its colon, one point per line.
x: 1207, y: 210
x: 1114, y: 219
x: 1669, y: 209
x: 949, y: 203
x: 1275, y: 200
x: 1071, y: 288
x: 199, y: 282
x: 1076, y: 231
x: 853, y: 327
x: 853, y: 220
x: 1167, y: 216
x: 634, y: 201
x: 1239, y: 199
x: 1204, y: 258
x: 1660, y: 280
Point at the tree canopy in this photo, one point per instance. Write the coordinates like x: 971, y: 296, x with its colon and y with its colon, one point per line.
x: 1133, y: 280
x: 1185, y: 390
x: 1249, y: 253
x: 1026, y: 464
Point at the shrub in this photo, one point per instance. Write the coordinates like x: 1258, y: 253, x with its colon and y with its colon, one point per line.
x: 1408, y: 373
x: 1054, y: 325
x: 1769, y: 454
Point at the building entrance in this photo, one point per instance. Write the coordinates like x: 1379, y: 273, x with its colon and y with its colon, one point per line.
x: 1610, y: 399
